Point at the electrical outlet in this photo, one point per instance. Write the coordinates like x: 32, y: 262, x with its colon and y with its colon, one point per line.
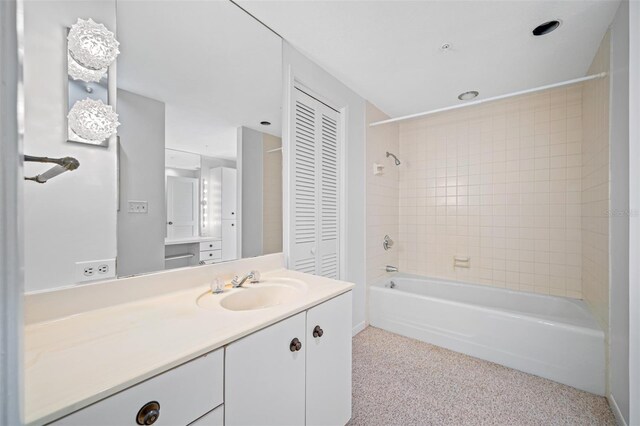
x: 138, y: 207
x: 95, y: 270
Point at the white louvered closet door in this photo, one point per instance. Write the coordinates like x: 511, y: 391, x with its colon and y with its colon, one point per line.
x: 314, y: 246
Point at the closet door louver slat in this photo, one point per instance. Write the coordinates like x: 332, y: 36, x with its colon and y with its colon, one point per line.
x: 328, y: 240
x: 315, y: 188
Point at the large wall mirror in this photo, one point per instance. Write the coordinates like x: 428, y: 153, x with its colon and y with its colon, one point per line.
x: 193, y: 175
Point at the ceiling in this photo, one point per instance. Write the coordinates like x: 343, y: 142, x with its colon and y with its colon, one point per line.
x: 389, y: 51
x: 217, y: 69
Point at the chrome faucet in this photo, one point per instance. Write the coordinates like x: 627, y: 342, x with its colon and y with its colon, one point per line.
x: 253, y: 277
x: 390, y: 268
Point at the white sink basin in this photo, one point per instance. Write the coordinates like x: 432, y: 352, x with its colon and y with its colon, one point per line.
x: 259, y: 298
x: 266, y: 294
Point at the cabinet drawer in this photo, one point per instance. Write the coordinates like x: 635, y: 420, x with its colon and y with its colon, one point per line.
x: 212, y: 418
x: 183, y: 394
x: 211, y: 255
x: 211, y: 245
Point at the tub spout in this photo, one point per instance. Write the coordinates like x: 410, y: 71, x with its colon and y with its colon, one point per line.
x: 390, y: 268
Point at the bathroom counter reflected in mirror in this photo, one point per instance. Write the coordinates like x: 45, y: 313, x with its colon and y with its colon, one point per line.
x: 193, y: 175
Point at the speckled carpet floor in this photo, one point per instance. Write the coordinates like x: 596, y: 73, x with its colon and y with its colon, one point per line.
x: 401, y: 381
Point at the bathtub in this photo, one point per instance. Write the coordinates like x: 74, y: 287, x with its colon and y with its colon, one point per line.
x: 552, y: 337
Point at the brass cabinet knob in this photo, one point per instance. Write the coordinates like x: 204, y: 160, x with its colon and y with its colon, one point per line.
x: 317, y: 331
x: 149, y: 413
x: 295, y: 345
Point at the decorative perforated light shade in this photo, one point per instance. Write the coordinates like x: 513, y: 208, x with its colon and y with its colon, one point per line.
x: 92, y: 45
x: 78, y: 72
x: 93, y: 120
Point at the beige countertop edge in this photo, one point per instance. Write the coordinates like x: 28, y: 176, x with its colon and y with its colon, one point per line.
x: 44, y: 417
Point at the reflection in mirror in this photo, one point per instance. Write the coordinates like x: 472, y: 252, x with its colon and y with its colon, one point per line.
x: 198, y: 104
x: 194, y: 175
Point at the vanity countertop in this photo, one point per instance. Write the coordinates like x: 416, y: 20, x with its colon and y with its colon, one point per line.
x: 190, y: 240
x: 74, y: 361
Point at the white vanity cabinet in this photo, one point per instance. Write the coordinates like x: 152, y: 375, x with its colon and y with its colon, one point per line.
x: 229, y: 232
x: 264, y: 376
x: 328, y: 378
x: 269, y: 381
x: 212, y: 418
x: 224, y: 205
x: 182, y: 395
x: 294, y: 372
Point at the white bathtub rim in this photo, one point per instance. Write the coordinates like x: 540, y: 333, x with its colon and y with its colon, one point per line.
x: 592, y: 331
x: 377, y: 283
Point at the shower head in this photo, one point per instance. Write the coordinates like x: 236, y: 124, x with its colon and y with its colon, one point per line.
x: 394, y: 157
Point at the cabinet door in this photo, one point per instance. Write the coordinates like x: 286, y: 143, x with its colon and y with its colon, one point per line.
x: 329, y: 362
x: 229, y: 193
x: 229, y: 240
x: 264, y: 379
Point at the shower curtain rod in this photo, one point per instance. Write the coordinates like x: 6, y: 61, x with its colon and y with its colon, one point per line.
x: 494, y: 98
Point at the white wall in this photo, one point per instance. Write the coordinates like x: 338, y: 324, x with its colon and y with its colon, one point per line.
x: 252, y: 172
x: 298, y: 68
x: 11, y: 285
x: 141, y: 138
x: 212, y: 162
x: 72, y: 218
x: 619, y: 218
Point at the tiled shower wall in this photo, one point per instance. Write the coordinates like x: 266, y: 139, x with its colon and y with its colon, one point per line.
x: 382, y: 194
x: 595, y: 187
x: 498, y: 183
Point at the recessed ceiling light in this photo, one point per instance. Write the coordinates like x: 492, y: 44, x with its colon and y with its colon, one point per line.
x: 265, y: 123
x: 466, y: 96
x: 545, y: 28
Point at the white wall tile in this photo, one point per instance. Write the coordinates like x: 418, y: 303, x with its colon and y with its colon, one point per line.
x: 383, y: 195
x: 504, y: 187
x: 595, y: 187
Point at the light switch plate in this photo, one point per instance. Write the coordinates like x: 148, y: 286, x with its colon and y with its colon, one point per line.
x: 138, y: 206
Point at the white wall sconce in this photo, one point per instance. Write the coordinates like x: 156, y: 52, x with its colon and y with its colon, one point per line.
x: 91, y: 120
x: 91, y: 49
x: 78, y: 72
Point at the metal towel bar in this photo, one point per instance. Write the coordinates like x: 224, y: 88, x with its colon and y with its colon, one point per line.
x: 62, y: 165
